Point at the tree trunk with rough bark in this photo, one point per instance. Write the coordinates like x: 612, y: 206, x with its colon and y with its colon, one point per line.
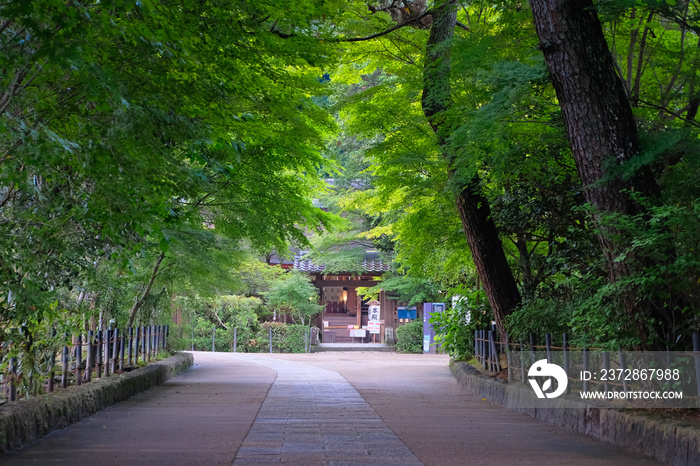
x: 139, y: 302
x: 474, y: 210
x: 601, y: 128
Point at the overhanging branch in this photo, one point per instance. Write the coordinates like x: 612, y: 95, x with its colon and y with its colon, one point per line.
x: 408, y: 22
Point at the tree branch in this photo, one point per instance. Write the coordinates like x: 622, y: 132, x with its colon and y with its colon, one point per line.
x: 390, y: 30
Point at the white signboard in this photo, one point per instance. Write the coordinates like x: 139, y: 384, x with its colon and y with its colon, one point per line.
x: 358, y: 333
x: 373, y: 313
x: 373, y: 327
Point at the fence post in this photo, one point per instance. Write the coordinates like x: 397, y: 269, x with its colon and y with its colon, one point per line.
x: 623, y: 366
x: 270, y: 332
x: 606, y: 366
x: 52, y: 372
x: 522, y: 364
x: 306, y: 342
x: 192, y: 340
x: 108, y: 351
x: 567, y: 363
x: 532, y: 349
x: 147, y: 343
x: 88, y: 363
x: 13, y: 375
x: 213, y: 339
x: 585, y: 368
x: 78, y: 358
x: 115, y: 349
x: 64, y: 363
x: 158, y: 340
x: 131, y: 346
x: 509, y: 360
x: 167, y: 335
x: 696, y: 349
x: 122, y: 344
x: 235, y: 339
x: 548, y: 346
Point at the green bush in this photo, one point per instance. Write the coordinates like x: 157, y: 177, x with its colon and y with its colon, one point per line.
x: 286, y: 338
x: 454, y: 327
x: 409, y: 337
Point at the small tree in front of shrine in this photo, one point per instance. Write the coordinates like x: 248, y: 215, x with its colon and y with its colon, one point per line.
x: 295, y: 296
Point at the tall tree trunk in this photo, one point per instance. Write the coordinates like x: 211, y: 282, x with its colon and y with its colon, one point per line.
x: 474, y: 210
x: 601, y: 128
x: 139, y: 302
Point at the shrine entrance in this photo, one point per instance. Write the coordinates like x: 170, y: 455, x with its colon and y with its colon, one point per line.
x: 346, y: 316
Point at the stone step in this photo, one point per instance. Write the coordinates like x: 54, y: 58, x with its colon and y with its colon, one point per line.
x: 369, y: 347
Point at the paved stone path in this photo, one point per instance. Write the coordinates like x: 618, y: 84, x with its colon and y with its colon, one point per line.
x: 314, y: 416
x: 315, y: 409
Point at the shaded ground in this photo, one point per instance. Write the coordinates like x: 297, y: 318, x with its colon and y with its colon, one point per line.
x: 322, y: 408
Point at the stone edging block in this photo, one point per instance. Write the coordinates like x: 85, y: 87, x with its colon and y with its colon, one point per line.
x: 667, y: 440
x: 30, y: 419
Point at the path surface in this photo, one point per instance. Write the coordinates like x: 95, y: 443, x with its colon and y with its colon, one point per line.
x: 309, y: 409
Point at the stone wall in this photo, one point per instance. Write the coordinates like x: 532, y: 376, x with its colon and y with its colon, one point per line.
x: 30, y: 419
x: 667, y: 440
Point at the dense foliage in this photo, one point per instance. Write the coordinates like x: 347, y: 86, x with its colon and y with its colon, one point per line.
x: 409, y: 337
x: 151, y: 151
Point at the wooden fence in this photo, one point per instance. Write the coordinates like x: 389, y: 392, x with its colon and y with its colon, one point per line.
x: 515, y: 359
x: 93, y: 355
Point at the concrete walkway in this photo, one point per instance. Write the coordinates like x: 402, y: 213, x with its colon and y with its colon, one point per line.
x: 308, y: 409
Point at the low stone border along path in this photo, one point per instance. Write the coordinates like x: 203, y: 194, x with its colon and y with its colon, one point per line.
x: 315, y: 409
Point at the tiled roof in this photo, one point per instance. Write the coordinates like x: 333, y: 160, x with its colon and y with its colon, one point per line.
x: 368, y: 265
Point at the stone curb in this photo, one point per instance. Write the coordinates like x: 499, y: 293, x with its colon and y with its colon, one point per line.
x: 30, y: 419
x: 669, y: 441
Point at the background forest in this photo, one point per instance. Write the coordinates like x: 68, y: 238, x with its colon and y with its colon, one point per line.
x: 542, y: 163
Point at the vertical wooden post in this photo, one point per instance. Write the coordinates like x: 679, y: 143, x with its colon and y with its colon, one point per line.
x: 78, y: 358
x: 623, y: 366
x: 567, y: 363
x: 147, y: 343
x: 90, y: 352
x: 213, y: 339
x: 64, y: 363
x: 130, y: 352
x: 585, y: 368
x: 137, y: 345
x: 13, y: 376
x: 52, y: 372
x: 270, y: 333
x: 606, y: 366
x: 167, y: 336
x: 122, y: 345
x: 115, y: 349
x: 100, y: 347
x: 509, y: 360
x: 108, y: 352
x: 696, y: 356
x: 522, y: 364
